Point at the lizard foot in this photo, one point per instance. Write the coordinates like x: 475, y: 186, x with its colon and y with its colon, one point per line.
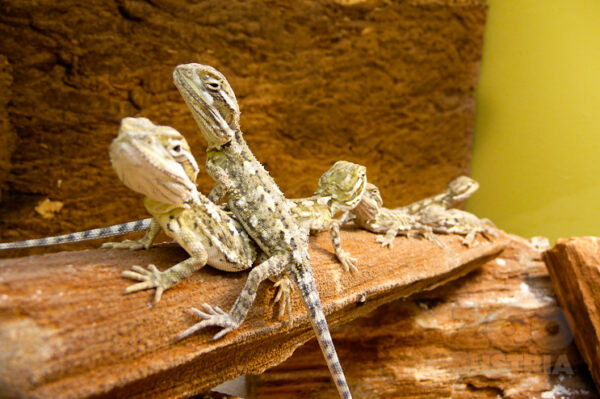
x: 212, y: 317
x: 125, y: 244
x: 347, y: 261
x: 385, y: 240
x: 284, y: 297
x: 430, y: 236
x: 151, y: 278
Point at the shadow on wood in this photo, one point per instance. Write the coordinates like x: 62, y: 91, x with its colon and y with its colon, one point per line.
x: 66, y: 329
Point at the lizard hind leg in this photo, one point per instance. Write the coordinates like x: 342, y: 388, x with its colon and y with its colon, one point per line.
x: 232, y: 320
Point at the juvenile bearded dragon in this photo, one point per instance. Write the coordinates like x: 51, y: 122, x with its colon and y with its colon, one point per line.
x: 371, y: 215
x: 340, y: 189
x: 458, y: 190
x: 257, y: 203
x: 156, y: 161
x: 455, y: 221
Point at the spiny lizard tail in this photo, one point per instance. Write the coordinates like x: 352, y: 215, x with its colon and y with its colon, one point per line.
x: 256, y: 201
x: 86, y: 235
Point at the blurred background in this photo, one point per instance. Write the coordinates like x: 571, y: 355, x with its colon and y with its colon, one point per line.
x: 537, y: 128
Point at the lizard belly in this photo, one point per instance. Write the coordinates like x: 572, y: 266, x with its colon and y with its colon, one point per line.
x: 189, y: 231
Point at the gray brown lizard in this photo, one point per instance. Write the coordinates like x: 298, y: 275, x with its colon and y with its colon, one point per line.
x: 156, y: 161
x: 257, y: 203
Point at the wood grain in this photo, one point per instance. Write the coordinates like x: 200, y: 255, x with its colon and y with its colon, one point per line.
x: 66, y: 329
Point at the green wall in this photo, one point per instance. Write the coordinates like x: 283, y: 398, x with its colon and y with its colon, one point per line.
x: 537, y: 132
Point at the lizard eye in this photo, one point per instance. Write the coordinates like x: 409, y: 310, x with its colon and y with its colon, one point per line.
x: 213, y: 84
x: 175, y: 149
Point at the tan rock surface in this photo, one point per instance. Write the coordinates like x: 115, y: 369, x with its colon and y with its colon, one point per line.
x: 386, y: 84
x: 574, y: 265
x: 66, y: 330
x: 496, y: 333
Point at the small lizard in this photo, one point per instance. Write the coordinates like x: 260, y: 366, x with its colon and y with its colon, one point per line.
x: 340, y: 189
x: 258, y: 204
x: 455, y: 221
x: 458, y: 190
x: 370, y: 215
x: 156, y: 161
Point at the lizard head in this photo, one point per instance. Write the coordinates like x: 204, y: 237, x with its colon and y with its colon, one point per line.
x: 462, y: 188
x: 370, y: 204
x: 345, y: 183
x: 155, y: 161
x: 211, y: 101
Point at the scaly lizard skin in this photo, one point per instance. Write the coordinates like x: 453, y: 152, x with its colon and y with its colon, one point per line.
x: 86, y: 235
x: 458, y: 190
x: 156, y: 161
x: 455, y: 221
x: 258, y: 204
x: 371, y: 215
x: 340, y: 190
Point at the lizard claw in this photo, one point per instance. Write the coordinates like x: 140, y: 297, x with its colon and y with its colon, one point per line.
x: 284, y: 296
x: 432, y: 238
x: 212, y: 317
x: 150, y: 278
x: 385, y: 240
x: 347, y: 261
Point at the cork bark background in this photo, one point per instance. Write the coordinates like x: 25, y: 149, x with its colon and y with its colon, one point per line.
x: 385, y: 84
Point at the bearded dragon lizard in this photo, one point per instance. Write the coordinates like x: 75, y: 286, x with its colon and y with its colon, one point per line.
x: 340, y: 189
x: 455, y: 221
x: 156, y: 161
x: 257, y: 203
x: 458, y: 190
x: 370, y: 215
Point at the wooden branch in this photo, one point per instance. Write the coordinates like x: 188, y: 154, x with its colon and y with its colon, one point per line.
x: 66, y: 329
x: 496, y: 333
x: 574, y: 265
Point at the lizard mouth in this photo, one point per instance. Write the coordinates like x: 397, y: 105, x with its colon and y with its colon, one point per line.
x: 216, y: 128
x: 145, y: 166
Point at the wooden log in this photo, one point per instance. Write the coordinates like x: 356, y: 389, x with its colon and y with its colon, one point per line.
x: 574, y: 265
x: 496, y: 333
x: 67, y: 331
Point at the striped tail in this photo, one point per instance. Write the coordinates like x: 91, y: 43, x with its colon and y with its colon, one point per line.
x: 110, y: 231
x: 306, y: 283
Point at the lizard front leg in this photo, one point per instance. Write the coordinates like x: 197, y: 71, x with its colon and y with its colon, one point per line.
x: 145, y: 242
x: 387, y: 239
x: 162, y: 281
x: 343, y: 256
x: 223, y: 184
x: 214, y: 316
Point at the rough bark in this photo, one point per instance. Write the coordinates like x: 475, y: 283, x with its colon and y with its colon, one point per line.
x: 386, y: 84
x: 496, y: 333
x: 574, y: 265
x: 67, y: 331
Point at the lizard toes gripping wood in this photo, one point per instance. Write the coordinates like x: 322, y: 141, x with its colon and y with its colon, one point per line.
x: 212, y: 317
